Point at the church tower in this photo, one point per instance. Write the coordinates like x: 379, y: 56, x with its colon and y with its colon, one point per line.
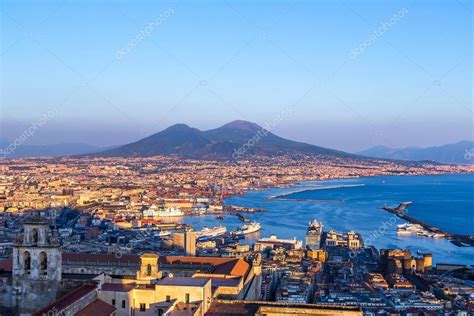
x: 37, y: 266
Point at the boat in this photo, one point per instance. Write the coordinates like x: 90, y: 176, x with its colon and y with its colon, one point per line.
x: 408, y: 229
x: 207, y: 233
x: 404, y: 232
x: 219, y: 217
x: 154, y: 211
x: 247, y: 229
x: 162, y: 233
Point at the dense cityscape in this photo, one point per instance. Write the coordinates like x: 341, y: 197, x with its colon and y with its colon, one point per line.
x: 83, y: 235
x: 236, y: 158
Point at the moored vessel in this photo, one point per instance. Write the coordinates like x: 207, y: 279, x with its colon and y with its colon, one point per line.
x: 247, y: 229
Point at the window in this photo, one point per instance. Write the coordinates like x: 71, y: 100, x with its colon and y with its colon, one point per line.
x: 142, y: 307
x: 113, y: 302
x: 124, y: 304
x: 148, y: 270
x: 187, y: 298
x: 27, y: 261
x: 35, y: 235
x: 168, y: 298
x: 43, y: 260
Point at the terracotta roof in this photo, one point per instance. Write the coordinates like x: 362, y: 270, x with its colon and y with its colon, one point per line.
x: 118, y: 287
x: 66, y: 300
x: 238, y: 267
x: 97, y: 308
x: 182, y: 259
x: 232, y: 266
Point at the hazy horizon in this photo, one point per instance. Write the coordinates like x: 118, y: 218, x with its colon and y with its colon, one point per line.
x: 397, y: 74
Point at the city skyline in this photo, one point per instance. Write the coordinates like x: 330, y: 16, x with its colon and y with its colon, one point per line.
x: 398, y: 75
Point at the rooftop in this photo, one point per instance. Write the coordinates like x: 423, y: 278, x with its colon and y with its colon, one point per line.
x: 97, y: 308
x: 183, y: 281
x: 66, y: 300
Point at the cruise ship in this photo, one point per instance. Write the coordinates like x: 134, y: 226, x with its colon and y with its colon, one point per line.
x: 416, y: 229
x: 313, y: 235
x: 273, y: 241
x: 206, y: 233
x: 408, y: 229
x: 154, y: 212
x: 247, y: 229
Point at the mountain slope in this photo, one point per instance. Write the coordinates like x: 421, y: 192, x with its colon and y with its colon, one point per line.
x: 178, y: 139
x: 450, y: 153
x: 222, y: 142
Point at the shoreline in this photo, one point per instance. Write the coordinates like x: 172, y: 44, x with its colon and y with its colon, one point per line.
x: 332, y: 187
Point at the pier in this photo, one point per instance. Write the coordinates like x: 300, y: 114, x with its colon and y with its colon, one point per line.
x: 456, y: 239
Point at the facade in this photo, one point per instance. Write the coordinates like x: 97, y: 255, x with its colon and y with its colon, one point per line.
x: 37, y: 266
x: 351, y: 240
x: 313, y: 235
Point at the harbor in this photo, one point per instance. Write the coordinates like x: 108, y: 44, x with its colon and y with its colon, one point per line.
x: 419, y: 226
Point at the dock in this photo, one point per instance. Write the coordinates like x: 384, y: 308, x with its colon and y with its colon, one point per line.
x: 456, y: 239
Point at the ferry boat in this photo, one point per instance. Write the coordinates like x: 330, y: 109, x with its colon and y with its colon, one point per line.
x: 206, y: 233
x: 154, y: 211
x: 247, y: 229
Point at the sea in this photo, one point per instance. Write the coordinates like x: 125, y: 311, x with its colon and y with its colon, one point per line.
x: 445, y: 201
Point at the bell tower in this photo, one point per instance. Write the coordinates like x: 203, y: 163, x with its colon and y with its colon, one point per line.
x: 148, y: 268
x: 37, y: 265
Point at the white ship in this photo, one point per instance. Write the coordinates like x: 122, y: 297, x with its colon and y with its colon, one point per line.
x: 154, y: 212
x: 162, y: 233
x: 247, y: 229
x: 274, y: 240
x: 408, y: 229
x: 416, y: 229
x: 211, y: 232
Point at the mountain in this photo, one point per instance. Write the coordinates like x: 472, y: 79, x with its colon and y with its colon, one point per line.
x: 52, y: 150
x: 222, y: 142
x: 459, y: 153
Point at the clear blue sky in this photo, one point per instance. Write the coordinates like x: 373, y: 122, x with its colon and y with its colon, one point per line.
x: 210, y: 62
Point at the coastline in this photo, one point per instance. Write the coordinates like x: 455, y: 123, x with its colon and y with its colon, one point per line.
x: 288, y: 217
x: 280, y: 196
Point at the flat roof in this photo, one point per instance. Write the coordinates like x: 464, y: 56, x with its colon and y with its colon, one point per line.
x: 183, y: 281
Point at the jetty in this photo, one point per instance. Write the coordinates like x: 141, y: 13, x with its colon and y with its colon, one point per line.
x: 456, y: 239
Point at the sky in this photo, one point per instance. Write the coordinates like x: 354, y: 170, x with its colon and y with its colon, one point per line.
x: 355, y: 74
